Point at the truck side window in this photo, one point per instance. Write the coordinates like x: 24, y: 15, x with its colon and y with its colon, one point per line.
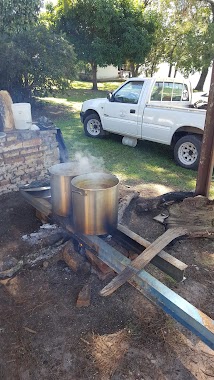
x: 129, y: 93
x: 169, y: 91
x: 180, y: 92
x: 177, y: 92
x: 157, y: 91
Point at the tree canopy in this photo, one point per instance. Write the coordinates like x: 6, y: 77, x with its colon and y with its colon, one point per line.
x: 107, y: 31
x: 17, y: 15
x: 186, y: 35
x: 33, y: 58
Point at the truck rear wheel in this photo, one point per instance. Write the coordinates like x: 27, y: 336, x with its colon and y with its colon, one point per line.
x: 93, y: 126
x: 187, y: 151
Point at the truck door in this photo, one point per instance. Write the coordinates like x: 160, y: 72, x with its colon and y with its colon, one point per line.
x: 122, y: 113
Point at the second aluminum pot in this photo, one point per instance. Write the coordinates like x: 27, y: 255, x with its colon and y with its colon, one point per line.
x: 61, y: 175
x: 95, y: 203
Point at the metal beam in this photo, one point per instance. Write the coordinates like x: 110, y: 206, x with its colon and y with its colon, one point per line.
x: 177, y: 307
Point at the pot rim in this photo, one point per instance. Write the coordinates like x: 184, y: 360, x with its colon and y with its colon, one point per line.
x: 70, y: 167
x: 91, y: 176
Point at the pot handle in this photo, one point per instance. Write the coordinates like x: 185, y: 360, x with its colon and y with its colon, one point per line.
x: 79, y: 192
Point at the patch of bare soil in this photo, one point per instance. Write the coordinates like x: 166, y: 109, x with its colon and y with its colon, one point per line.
x: 44, y: 336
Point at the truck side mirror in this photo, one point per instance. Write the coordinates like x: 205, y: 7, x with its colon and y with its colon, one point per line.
x: 110, y: 97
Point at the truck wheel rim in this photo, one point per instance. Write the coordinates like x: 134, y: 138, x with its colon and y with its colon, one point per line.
x: 93, y: 127
x: 187, y: 153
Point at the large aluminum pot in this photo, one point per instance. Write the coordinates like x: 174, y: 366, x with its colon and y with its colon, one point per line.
x: 61, y: 176
x: 95, y: 203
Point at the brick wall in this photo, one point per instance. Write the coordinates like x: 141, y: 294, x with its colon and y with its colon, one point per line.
x: 25, y: 156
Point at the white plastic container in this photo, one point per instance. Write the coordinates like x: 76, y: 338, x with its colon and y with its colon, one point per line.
x: 130, y: 141
x: 22, y: 115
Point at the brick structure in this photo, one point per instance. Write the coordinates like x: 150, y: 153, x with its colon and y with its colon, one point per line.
x: 25, y: 156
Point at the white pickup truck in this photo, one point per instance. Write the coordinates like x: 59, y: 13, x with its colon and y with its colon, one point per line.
x: 149, y: 109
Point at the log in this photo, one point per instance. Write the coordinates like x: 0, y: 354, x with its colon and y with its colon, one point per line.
x: 147, y: 204
x: 73, y: 259
x: 124, y: 203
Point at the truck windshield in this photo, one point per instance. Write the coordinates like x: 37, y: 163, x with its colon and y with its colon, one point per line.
x: 129, y: 93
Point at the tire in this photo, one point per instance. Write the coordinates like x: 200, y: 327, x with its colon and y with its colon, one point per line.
x: 93, y: 127
x: 187, y: 151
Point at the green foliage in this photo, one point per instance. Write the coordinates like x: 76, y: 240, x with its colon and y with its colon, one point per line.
x: 107, y: 31
x: 35, y: 60
x: 186, y: 37
x: 17, y: 15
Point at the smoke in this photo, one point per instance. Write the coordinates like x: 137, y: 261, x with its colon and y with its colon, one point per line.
x: 87, y: 163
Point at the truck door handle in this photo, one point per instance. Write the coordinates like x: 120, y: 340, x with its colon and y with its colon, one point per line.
x: 132, y: 111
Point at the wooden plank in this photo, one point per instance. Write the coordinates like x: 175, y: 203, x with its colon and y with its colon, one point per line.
x: 163, y: 260
x: 144, y: 258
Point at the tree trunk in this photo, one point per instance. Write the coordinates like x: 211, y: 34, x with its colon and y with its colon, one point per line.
x: 170, y: 69
x: 153, y: 67
x: 134, y: 70
x: 94, y: 76
x: 202, y: 79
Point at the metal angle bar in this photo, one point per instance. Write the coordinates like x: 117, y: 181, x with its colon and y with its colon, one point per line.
x: 173, y: 304
x: 39, y: 204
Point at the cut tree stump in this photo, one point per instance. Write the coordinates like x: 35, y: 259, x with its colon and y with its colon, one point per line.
x: 196, y: 214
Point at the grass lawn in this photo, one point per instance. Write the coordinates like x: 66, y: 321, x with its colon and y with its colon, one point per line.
x: 148, y: 162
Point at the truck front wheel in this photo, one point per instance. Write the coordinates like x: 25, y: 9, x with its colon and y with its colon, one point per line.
x: 187, y: 151
x: 93, y: 126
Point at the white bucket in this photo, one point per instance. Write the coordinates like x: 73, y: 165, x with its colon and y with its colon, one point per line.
x: 22, y: 115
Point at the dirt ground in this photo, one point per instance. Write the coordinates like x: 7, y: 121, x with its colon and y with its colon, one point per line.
x: 44, y: 336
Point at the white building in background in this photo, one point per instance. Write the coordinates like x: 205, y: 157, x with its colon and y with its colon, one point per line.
x: 108, y: 72
x: 111, y: 72
x: 164, y: 69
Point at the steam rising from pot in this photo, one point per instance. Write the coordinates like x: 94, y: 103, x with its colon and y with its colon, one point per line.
x: 87, y: 163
